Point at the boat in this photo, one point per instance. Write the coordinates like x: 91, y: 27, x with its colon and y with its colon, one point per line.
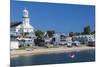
x: 72, y: 55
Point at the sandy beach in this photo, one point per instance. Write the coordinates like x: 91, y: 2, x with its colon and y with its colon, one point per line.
x: 15, y: 53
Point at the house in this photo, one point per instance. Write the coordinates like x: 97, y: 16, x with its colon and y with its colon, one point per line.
x: 84, y: 38
x: 14, y: 45
x: 25, y: 42
x: 62, y: 39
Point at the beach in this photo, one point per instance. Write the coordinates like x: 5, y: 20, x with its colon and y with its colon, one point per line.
x: 15, y: 53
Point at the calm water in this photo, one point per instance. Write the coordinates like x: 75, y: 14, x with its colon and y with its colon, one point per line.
x: 80, y: 56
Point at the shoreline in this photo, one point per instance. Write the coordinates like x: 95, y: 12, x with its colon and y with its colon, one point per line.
x: 16, y: 53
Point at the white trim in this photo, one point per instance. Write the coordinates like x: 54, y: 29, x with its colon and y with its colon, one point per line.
x: 82, y: 2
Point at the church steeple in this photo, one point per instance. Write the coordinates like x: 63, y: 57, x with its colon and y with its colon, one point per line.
x: 25, y: 13
x: 25, y: 17
x: 25, y: 27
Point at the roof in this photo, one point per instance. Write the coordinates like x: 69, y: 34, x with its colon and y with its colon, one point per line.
x: 13, y: 24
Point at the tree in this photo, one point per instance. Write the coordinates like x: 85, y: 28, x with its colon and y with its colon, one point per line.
x: 87, y: 29
x: 93, y: 32
x: 39, y: 41
x: 71, y: 34
x: 39, y: 32
x: 50, y: 33
x: 77, y: 33
x: 82, y: 33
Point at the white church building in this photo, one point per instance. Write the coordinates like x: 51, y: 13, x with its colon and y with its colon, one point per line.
x: 22, y: 32
x: 25, y: 25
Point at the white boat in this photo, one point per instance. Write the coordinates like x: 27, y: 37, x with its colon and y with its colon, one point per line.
x: 71, y: 55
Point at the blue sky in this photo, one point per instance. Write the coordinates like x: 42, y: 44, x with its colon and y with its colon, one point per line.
x: 58, y: 17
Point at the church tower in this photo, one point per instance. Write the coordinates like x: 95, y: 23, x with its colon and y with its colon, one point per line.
x: 25, y: 17
x: 25, y: 27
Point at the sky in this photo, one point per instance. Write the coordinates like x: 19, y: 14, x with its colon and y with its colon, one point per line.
x: 58, y: 17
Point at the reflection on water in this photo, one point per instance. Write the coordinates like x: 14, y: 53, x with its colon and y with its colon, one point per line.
x: 80, y: 56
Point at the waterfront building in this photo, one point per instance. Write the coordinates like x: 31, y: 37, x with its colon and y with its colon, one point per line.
x: 62, y: 38
x: 84, y: 38
x: 24, y: 26
x: 22, y: 32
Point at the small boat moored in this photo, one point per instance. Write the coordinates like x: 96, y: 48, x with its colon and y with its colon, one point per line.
x: 72, y: 55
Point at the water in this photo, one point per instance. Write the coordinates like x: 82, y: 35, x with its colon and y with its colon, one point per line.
x: 80, y: 56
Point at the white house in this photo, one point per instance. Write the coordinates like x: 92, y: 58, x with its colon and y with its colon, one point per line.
x: 84, y: 38
x: 25, y: 42
x: 14, y: 45
x: 62, y: 38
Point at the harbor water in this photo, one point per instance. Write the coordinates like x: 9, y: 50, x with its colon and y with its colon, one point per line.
x: 54, y: 58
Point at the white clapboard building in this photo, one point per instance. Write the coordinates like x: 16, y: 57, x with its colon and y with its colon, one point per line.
x: 84, y: 38
x: 22, y: 32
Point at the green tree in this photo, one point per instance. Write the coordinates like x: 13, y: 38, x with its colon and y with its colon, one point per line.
x: 71, y: 34
x: 39, y: 41
x: 50, y: 33
x: 39, y: 32
x: 82, y: 33
x: 93, y: 32
x: 77, y: 33
x: 87, y: 29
